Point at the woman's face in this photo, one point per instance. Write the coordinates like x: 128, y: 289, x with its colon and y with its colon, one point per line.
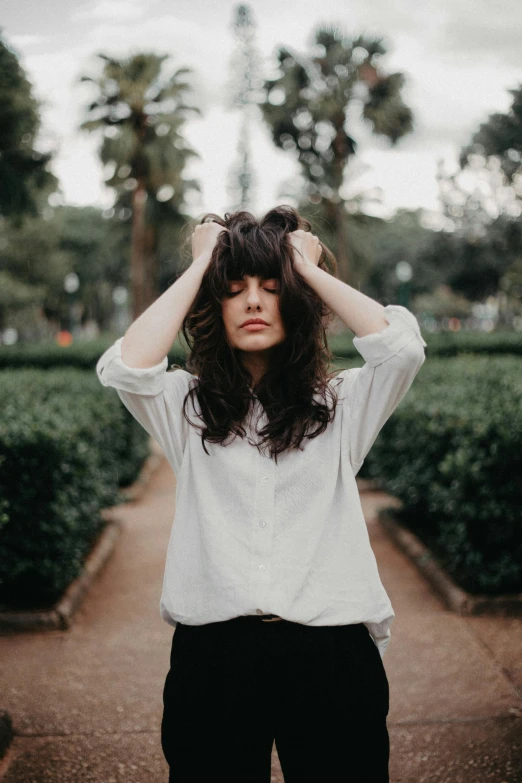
x: 253, y: 298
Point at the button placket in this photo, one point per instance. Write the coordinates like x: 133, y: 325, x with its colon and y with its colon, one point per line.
x: 262, y: 531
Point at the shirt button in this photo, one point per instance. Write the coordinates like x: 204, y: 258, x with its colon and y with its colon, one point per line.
x: 262, y: 523
x: 261, y: 568
x: 265, y: 478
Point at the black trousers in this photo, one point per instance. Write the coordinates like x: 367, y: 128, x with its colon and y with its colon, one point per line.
x: 234, y: 687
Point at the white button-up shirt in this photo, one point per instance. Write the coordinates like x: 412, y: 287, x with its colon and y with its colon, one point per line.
x: 253, y: 537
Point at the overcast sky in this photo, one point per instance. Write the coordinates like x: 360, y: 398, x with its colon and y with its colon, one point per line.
x: 459, y: 59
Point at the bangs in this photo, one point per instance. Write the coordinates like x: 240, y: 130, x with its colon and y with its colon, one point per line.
x: 258, y: 253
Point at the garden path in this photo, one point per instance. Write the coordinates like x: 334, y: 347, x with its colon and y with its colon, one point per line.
x: 87, y: 702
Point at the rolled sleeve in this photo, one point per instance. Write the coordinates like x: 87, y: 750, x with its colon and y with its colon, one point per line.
x: 153, y: 396
x: 113, y: 372
x: 371, y: 393
x: 403, y: 327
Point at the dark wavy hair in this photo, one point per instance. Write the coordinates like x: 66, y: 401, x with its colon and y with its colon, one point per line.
x: 298, y: 367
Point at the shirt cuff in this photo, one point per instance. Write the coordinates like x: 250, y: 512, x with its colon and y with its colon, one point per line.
x: 112, y: 371
x: 402, y: 327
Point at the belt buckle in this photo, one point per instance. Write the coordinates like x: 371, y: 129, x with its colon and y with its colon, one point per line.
x: 270, y: 619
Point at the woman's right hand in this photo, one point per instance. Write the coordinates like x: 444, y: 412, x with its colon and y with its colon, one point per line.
x: 204, y: 240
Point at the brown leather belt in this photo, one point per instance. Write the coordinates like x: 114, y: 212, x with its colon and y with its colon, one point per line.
x: 270, y: 618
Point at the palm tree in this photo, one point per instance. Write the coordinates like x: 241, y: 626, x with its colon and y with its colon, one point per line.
x: 306, y: 107
x: 141, y: 116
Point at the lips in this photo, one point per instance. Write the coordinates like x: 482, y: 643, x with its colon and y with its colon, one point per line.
x: 254, y: 327
x: 254, y: 322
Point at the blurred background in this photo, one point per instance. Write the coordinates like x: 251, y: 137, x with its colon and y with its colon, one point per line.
x: 396, y: 129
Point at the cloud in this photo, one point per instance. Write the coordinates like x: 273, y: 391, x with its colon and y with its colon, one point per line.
x: 491, y: 32
x: 190, y: 43
x: 458, y: 67
x: 27, y: 39
x: 114, y: 9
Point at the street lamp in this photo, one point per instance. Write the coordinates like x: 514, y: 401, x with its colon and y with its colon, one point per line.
x: 120, y: 296
x: 404, y: 273
x: 71, y: 284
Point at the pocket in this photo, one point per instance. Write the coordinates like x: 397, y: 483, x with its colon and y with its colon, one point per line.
x: 167, y: 731
x: 364, y: 672
x: 174, y: 699
x: 177, y: 645
x: 383, y: 693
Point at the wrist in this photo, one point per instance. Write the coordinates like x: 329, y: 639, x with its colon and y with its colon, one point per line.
x: 307, y: 269
x: 201, y: 262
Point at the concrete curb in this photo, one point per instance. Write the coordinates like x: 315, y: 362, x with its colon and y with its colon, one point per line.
x: 455, y: 598
x: 59, y: 617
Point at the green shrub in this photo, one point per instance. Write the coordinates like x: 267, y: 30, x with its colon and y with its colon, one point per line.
x: 445, y: 343
x: 82, y: 354
x: 452, y: 453
x: 66, y: 445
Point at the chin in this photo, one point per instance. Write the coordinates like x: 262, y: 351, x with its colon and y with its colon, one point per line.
x: 258, y: 344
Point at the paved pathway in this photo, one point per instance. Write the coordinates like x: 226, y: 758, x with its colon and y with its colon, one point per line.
x: 86, y: 703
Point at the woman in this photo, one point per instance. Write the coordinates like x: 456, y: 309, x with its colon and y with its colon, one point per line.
x: 280, y: 617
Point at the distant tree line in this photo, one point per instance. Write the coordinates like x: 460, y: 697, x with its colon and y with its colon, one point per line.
x: 139, y: 114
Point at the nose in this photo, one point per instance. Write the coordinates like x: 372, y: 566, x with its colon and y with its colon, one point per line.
x: 253, y: 298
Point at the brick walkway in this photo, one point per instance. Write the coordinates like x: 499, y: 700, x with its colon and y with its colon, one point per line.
x: 86, y: 703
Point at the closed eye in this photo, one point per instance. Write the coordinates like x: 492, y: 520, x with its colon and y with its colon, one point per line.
x: 235, y: 293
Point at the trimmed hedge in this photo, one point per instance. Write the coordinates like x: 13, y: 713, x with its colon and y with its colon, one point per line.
x: 82, y: 354
x: 445, y: 343
x: 66, y: 445
x: 452, y: 453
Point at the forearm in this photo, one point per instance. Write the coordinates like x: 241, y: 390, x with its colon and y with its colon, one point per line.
x: 149, y: 338
x: 359, y: 312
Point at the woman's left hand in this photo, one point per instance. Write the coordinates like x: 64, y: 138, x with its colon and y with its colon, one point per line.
x: 306, y: 248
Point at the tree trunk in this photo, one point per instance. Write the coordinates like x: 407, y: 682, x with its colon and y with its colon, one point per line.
x: 151, y: 265
x: 341, y: 147
x: 137, y: 267
x: 343, y: 256
x: 335, y: 217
